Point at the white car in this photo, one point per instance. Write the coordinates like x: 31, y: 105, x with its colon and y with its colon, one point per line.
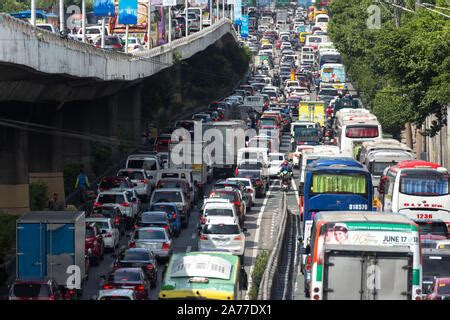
x: 134, y: 44
x: 91, y: 33
x: 140, y: 180
x: 218, y: 211
x: 116, y: 294
x: 275, y: 161
x: 126, y: 200
x: 111, y: 235
x: 220, y: 236
x: 248, y: 185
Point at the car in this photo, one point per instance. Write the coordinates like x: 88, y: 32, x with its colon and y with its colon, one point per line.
x: 257, y: 180
x: 203, y: 117
x: 439, y: 290
x: 116, y: 294
x: 173, y: 195
x: 177, y: 31
x: 111, y: 212
x: 253, y: 164
x: 92, y: 33
x: 218, y: 210
x: 170, y: 183
x: 149, y: 162
x: 140, y: 258
x: 275, y: 161
x: 94, y: 244
x: 246, y: 196
x: 125, y: 200
x: 114, y: 183
x: 111, y: 235
x: 162, y: 142
x: 47, y: 27
x: 39, y: 288
x: 172, y: 213
x: 129, y: 278
x: 194, y: 22
x: 433, y: 230
x: 112, y: 43
x: 435, y: 264
x: 234, y: 197
x: 227, y: 236
x: 156, y: 239
x: 154, y: 219
x: 140, y: 180
x: 248, y: 185
x: 182, y: 24
x: 134, y: 44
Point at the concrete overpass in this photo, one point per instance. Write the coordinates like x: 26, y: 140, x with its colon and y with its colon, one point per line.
x: 52, y: 89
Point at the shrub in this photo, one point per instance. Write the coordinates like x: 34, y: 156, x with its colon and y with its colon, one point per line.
x: 258, y: 271
x: 7, y: 233
x: 71, y: 171
x: 38, y: 195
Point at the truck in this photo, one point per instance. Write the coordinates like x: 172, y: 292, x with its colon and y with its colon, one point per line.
x: 224, y: 139
x: 52, y: 244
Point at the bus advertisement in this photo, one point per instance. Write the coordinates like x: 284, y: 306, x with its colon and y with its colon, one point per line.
x: 364, y: 256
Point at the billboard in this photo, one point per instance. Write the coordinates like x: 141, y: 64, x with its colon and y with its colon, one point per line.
x: 168, y: 3
x: 244, y: 26
x: 104, y: 8
x: 128, y: 11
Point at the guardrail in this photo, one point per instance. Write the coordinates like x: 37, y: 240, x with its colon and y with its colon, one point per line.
x: 265, y: 286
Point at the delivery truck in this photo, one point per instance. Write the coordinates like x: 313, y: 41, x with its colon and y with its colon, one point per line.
x: 52, y: 244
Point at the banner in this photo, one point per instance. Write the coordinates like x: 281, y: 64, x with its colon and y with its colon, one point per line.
x: 104, y: 8
x: 168, y: 3
x: 244, y: 26
x: 238, y: 12
x: 128, y: 11
x: 230, y: 2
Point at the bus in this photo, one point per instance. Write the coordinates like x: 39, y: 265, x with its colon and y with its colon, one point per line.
x: 332, y: 72
x: 335, y: 185
x: 418, y: 189
x: 363, y: 256
x: 204, y: 275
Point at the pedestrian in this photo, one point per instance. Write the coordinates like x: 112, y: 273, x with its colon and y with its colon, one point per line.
x: 82, y: 184
x: 55, y: 204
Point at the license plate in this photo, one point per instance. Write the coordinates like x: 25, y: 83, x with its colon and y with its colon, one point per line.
x: 424, y: 216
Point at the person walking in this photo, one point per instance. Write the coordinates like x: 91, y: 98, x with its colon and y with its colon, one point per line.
x: 82, y: 184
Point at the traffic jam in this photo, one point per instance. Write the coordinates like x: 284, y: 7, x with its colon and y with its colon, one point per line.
x: 373, y: 219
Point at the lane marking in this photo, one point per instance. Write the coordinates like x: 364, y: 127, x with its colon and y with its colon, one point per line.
x: 256, y: 240
x: 194, y: 235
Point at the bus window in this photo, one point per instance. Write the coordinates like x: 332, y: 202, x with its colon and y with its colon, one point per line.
x: 424, y: 183
x: 362, y: 132
x: 334, y: 183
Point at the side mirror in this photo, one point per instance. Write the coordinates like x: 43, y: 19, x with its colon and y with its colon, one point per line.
x: 301, y: 188
x: 308, y: 249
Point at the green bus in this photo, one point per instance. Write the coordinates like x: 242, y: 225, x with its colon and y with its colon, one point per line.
x: 204, y: 275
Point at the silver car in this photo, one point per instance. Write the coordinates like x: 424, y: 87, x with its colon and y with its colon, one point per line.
x: 155, y: 239
x: 222, y: 234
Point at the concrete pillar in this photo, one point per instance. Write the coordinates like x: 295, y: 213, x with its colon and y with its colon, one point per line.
x: 136, y: 110
x: 14, y: 185
x: 129, y: 113
x: 113, y: 121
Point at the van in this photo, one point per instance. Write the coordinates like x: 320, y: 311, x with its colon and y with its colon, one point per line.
x: 182, y: 174
x: 256, y: 102
x: 253, y: 153
x: 149, y: 162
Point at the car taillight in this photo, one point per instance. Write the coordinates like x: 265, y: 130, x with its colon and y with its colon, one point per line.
x: 203, y: 237
x: 140, y: 288
x: 97, y: 204
x: 132, y: 244
x: 166, y: 246
x: 237, y: 238
x: 117, y: 46
x: 107, y: 286
x: 236, y: 203
x: 108, y: 235
x: 145, y: 181
x: 136, y: 46
x: 202, y: 220
x: 259, y: 182
x: 125, y: 204
x: 308, y: 264
x: 149, y: 267
x: 250, y: 190
x: 174, y: 216
x: 166, y: 227
x: 116, y: 221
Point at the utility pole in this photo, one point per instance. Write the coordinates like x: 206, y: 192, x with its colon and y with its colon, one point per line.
x: 397, y: 12
x: 83, y: 19
x: 33, y: 13
x: 61, y: 15
x: 149, y: 24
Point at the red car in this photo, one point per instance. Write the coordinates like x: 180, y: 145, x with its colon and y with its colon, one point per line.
x: 440, y: 290
x: 37, y: 289
x: 129, y: 278
x: 95, y: 248
x: 162, y: 142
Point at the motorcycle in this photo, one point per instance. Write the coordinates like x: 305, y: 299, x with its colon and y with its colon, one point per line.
x: 285, y: 177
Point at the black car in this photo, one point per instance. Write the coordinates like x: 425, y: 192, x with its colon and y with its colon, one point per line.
x: 435, y: 264
x: 257, y: 180
x: 141, y: 258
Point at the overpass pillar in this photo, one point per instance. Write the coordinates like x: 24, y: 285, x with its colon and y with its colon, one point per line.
x: 45, y: 158
x: 14, y: 186
x: 113, y: 122
x: 129, y: 114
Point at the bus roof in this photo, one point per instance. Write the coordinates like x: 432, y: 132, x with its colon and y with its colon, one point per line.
x: 340, y: 168
x: 362, y: 216
x: 334, y: 161
x: 413, y: 164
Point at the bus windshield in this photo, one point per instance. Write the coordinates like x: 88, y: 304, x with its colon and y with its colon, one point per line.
x: 424, y: 183
x: 338, y: 183
x: 333, y: 74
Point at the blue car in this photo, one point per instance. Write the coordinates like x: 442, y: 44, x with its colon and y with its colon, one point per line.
x: 172, y: 213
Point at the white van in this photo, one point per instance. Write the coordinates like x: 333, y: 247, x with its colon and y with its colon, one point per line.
x: 261, y: 154
x: 149, y: 162
x: 256, y: 102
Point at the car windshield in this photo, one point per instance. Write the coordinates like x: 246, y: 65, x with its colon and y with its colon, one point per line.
x: 250, y: 166
x: 110, y: 41
x: 165, y: 208
x: 93, y: 31
x: 147, y: 164
x: 245, y: 182
x: 112, y: 183
x: 133, y: 175
x: 221, y: 229
x: 267, y: 122
x: 438, y: 229
x: 106, y: 212
x: 149, y: 234
x: 223, y: 195
x: 167, y: 196
x: 166, y: 184
x: 111, y: 198
x: 125, y: 276
x: 377, y: 168
x: 136, y: 256
x: 102, y: 225
x: 435, y: 265
x: 219, y: 212
x: 46, y: 27
x: 250, y: 174
x: 151, y: 218
x: 328, y: 92
x: 443, y: 288
x: 31, y: 290
x: 424, y: 183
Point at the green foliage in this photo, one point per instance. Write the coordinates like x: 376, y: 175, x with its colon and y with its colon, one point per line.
x: 258, y: 271
x: 413, y: 58
x: 10, y: 6
x: 38, y: 195
x: 7, y: 234
x: 101, y: 159
x: 71, y: 171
